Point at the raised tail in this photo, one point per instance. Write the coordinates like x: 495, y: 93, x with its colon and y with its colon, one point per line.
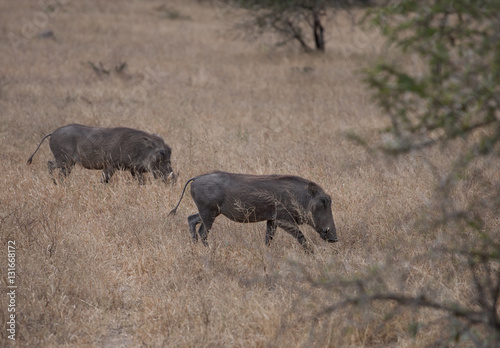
x: 31, y: 157
x: 173, y: 211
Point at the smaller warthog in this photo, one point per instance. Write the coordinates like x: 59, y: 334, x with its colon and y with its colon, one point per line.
x: 108, y: 149
x: 283, y: 201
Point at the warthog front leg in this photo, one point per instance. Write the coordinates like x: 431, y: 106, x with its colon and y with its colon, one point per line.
x: 270, y: 231
x: 295, y: 231
x: 139, y: 176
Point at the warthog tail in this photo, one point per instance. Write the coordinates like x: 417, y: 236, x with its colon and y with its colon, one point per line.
x: 173, y: 211
x: 31, y: 157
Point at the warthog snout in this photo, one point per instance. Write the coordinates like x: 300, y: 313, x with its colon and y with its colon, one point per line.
x: 329, y: 235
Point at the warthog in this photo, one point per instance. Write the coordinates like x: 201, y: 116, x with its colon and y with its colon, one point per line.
x: 283, y: 201
x: 108, y: 149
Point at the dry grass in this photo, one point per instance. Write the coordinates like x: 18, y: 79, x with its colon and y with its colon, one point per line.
x: 103, y: 265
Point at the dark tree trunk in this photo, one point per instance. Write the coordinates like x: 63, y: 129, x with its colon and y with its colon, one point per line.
x: 319, y: 38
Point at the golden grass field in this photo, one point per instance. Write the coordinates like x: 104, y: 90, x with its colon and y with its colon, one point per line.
x: 103, y: 265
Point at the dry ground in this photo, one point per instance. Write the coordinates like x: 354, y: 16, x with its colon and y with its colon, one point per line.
x: 103, y: 265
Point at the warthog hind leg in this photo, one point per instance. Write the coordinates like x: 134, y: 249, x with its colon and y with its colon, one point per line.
x: 107, y: 173
x: 194, y: 220
x: 52, y: 165
x: 270, y: 231
x: 207, y: 220
x: 65, y: 169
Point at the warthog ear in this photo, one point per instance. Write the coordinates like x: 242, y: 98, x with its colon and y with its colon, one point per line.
x: 324, y: 201
x: 158, y: 155
x: 148, y: 143
x: 313, y: 189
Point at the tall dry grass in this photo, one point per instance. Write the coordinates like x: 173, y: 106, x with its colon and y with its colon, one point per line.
x: 103, y: 265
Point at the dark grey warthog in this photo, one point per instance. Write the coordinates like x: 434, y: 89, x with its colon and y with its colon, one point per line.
x: 282, y: 200
x: 109, y: 149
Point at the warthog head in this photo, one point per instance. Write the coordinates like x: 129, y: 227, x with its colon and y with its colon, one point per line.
x: 320, y: 214
x: 162, y: 167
